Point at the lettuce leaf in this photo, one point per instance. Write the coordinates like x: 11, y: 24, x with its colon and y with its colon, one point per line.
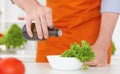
x: 82, y: 52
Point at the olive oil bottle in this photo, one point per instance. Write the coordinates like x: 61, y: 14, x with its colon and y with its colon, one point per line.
x: 52, y: 32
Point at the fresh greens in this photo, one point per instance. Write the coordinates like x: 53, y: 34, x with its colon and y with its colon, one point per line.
x: 113, y: 48
x: 13, y: 38
x: 82, y: 52
x: 86, y: 67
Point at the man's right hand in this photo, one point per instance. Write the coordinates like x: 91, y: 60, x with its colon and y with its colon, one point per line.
x: 42, y: 16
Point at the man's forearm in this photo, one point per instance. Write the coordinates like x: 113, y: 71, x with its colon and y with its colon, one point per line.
x: 26, y: 5
x: 108, y: 21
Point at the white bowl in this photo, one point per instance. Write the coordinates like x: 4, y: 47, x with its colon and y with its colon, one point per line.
x: 64, y: 63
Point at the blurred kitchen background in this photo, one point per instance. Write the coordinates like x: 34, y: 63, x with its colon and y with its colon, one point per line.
x: 10, y: 14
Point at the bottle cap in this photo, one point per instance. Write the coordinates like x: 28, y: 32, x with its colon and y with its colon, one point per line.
x: 59, y: 32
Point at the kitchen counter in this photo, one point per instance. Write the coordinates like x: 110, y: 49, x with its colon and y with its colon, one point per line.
x: 44, y: 68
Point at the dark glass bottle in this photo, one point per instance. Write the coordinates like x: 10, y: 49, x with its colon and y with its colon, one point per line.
x: 52, y: 32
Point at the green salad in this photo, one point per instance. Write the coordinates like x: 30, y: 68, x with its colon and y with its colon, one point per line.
x: 82, y: 52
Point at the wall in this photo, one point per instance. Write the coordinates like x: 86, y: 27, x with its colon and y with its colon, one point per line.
x: 116, y: 37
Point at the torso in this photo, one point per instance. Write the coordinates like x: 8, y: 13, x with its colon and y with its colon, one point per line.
x: 78, y: 19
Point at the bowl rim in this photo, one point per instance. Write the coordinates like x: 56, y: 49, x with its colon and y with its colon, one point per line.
x: 60, y: 57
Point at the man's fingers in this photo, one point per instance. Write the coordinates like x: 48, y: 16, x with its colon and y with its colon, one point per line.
x: 92, y: 63
x: 101, y: 65
x: 43, y: 19
x: 44, y: 26
x: 97, y: 64
x: 28, y: 27
x: 86, y: 63
x: 38, y: 27
x: 48, y: 15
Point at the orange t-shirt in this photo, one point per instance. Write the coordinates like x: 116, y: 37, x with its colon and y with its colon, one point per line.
x: 78, y: 19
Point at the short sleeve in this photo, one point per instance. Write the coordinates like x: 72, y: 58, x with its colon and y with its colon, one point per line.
x: 110, y: 6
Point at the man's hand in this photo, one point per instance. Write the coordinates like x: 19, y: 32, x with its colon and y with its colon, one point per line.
x: 101, y: 56
x: 42, y: 16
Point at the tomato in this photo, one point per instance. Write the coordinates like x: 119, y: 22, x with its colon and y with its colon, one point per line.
x: 11, y: 66
x: 1, y: 35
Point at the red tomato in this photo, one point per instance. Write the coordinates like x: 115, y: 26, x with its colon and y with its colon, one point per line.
x: 11, y: 66
x: 1, y: 35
